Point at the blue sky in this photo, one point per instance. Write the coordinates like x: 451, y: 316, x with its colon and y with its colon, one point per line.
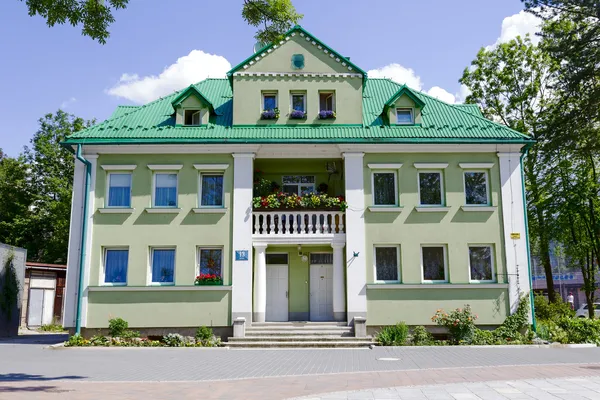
x: 158, y: 46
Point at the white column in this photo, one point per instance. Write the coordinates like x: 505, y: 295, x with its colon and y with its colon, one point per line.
x: 89, y: 241
x: 356, y: 274
x: 241, y: 278
x: 515, y: 233
x: 339, y: 294
x: 72, y: 285
x: 260, y: 283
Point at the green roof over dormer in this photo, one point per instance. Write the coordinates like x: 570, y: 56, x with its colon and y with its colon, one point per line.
x: 192, y: 90
x: 286, y: 36
x: 405, y: 90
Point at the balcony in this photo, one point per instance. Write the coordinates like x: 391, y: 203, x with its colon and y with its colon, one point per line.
x: 298, y: 224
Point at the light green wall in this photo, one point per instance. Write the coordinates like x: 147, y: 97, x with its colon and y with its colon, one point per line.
x: 274, y: 169
x: 140, y: 231
x: 404, y: 102
x: 247, y: 99
x: 160, y: 308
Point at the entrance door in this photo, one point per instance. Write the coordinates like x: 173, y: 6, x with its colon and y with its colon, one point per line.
x: 41, y: 299
x: 321, y: 292
x: 277, y: 293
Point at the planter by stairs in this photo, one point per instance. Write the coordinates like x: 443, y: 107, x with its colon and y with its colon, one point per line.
x: 299, y: 335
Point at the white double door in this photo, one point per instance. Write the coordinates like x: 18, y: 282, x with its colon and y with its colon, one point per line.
x: 277, y: 293
x: 321, y: 292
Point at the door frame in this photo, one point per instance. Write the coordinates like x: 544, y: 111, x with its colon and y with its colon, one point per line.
x: 310, y: 284
x: 288, y: 282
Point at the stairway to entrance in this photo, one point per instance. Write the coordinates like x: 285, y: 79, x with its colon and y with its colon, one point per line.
x: 299, y: 335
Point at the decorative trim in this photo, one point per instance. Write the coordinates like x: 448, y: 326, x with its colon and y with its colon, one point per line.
x: 327, y: 239
x: 300, y: 74
x: 208, y: 210
x: 116, y: 210
x: 164, y: 210
x: 397, y: 209
x: 476, y: 165
x: 118, y: 167
x: 432, y: 209
x: 437, y: 286
x: 430, y: 165
x: 159, y: 288
x: 165, y: 167
x: 431, y: 148
x: 385, y: 166
x: 479, y: 208
x: 211, y: 167
x: 243, y: 155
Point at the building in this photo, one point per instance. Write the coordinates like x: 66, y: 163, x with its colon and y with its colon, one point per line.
x: 43, y: 293
x: 164, y: 191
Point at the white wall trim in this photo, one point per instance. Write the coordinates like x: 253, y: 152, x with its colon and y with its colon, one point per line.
x: 210, y: 210
x: 436, y: 286
x: 476, y: 165
x: 479, y: 208
x: 188, y: 148
x: 432, y: 209
x: 119, y: 167
x: 385, y: 166
x: 430, y: 165
x: 328, y: 239
x: 211, y: 167
x: 430, y: 148
x: 116, y: 210
x: 163, y: 288
x: 377, y: 209
x: 165, y: 167
x: 162, y: 210
x: 93, y: 159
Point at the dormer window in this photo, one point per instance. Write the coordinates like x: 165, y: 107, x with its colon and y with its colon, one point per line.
x: 192, y: 117
x: 404, y: 116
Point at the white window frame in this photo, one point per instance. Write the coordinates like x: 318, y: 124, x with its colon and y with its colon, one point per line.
x: 487, y: 187
x: 107, y: 197
x: 200, y: 248
x: 492, y: 259
x: 412, y: 115
x: 268, y: 93
x: 165, y: 172
x: 220, y: 173
x: 194, y: 110
x: 103, y: 266
x: 396, y: 189
x: 333, y: 102
x: 443, y: 246
x: 292, y: 94
x: 397, y: 246
x: 151, y: 259
x: 442, y: 191
x: 299, y: 184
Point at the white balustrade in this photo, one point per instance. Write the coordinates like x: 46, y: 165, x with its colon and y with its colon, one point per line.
x: 298, y: 223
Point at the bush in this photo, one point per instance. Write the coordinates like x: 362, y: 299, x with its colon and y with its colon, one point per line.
x: 547, y: 311
x: 174, y: 340
x: 52, y: 328
x: 515, y: 325
x: 580, y: 330
x: 484, y: 337
x: 99, y: 340
x: 551, y: 332
x: 117, y: 327
x: 204, y: 333
x: 393, y: 335
x: 460, y: 323
x: 129, y: 334
x: 421, y: 336
x: 77, y: 341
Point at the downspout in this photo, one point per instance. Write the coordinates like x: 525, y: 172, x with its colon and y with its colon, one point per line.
x: 524, y: 151
x: 88, y: 174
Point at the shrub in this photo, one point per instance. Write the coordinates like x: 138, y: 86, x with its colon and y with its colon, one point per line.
x: 393, y: 335
x: 421, y: 336
x: 174, y: 340
x: 580, y: 330
x: 129, y: 334
x: 484, y: 337
x: 77, y: 341
x: 117, y: 326
x: 515, y: 325
x: 460, y: 323
x: 52, y: 328
x: 99, y: 340
x: 545, y: 310
x: 204, y: 333
x: 550, y: 331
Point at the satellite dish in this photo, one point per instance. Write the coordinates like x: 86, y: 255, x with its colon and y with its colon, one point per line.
x: 259, y: 46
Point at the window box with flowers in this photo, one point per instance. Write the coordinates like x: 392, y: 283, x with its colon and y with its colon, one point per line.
x: 327, y: 114
x: 298, y: 114
x: 285, y: 201
x: 208, y: 279
x: 270, y: 114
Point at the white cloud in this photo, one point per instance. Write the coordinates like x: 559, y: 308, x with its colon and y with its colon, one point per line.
x: 189, y: 69
x: 462, y: 94
x: 397, y: 73
x: 519, y: 24
x: 67, y: 103
x: 442, y: 94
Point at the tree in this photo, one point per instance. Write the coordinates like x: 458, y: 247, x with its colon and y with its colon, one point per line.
x: 511, y: 83
x: 15, y: 200
x: 275, y: 16
x: 95, y: 15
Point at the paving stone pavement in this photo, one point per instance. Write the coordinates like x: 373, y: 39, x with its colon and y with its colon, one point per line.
x: 577, y: 388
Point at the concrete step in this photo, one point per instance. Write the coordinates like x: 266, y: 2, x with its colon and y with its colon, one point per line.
x: 301, y: 344
x: 299, y: 332
x: 299, y: 328
x: 299, y: 323
x: 296, y: 338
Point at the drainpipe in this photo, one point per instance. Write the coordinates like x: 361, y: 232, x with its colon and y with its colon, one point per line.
x: 88, y: 174
x: 523, y: 154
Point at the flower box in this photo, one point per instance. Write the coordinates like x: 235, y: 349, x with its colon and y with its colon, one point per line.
x: 296, y: 114
x: 309, y: 201
x: 325, y: 114
x: 208, y: 279
x: 270, y: 114
x: 206, y: 283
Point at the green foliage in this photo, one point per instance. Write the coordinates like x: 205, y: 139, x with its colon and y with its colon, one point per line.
x: 9, y: 293
x: 117, y: 327
x: 204, y: 333
x: 421, y: 337
x: 459, y: 322
x: 393, y: 335
x: 550, y: 331
x: 15, y: 198
x: 580, y: 330
x: 484, y: 337
x: 275, y: 17
x: 174, y: 340
x: 130, y: 334
x: 99, y: 340
x: 545, y: 310
x: 516, y: 324
x: 52, y: 328
x: 77, y: 341
x: 94, y: 15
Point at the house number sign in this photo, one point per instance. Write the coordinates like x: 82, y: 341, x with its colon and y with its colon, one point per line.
x: 241, y: 255
x: 515, y: 235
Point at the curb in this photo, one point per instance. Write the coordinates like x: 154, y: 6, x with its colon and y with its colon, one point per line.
x: 506, y: 346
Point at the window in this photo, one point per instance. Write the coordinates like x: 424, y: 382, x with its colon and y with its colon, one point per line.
x: 269, y: 101
x: 115, y: 266
x: 387, y: 263
x: 430, y: 189
x: 165, y: 190
x: 298, y: 184
x: 321, y: 258
x: 384, y: 189
x: 191, y: 117
x: 298, y: 102
x: 326, y: 101
x: 433, y: 260
x: 476, y: 188
x: 163, y: 266
x: 119, y: 190
x: 404, y: 116
x: 481, y: 263
x: 210, y: 261
x: 211, y: 190
x: 277, y: 258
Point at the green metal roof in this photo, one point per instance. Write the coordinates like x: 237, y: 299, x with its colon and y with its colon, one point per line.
x: 405, y: 90
x: 191, y: 90
x: 470, y: 108
x: 155, y: 123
